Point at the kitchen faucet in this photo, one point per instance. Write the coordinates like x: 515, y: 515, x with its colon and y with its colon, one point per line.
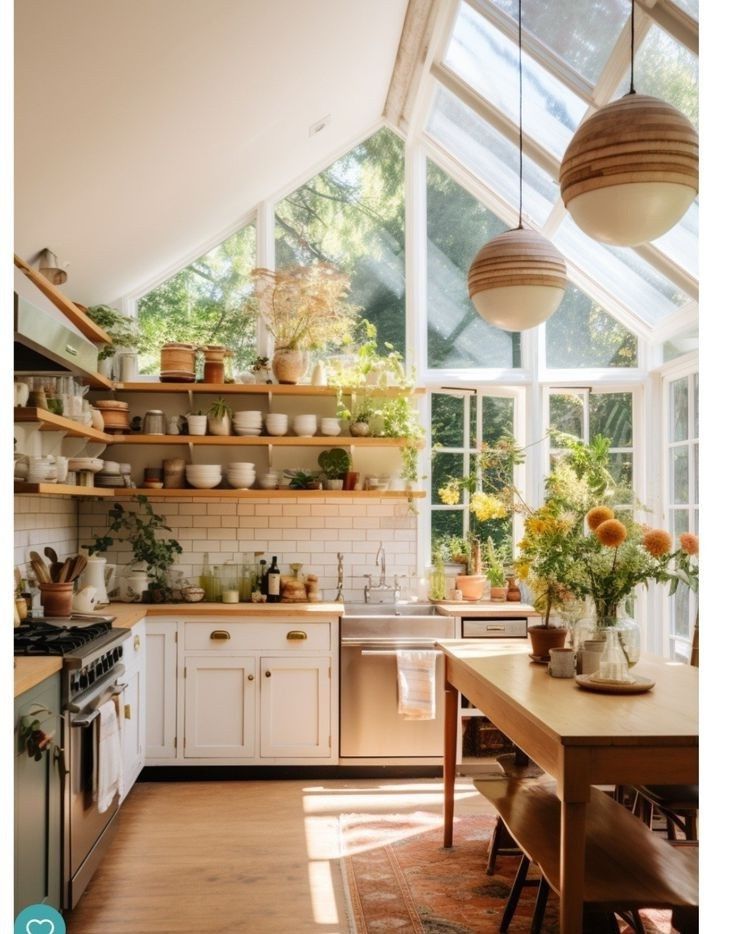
x: 381, y: 592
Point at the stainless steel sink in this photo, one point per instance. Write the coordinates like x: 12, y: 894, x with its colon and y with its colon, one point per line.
x: 390, y: 609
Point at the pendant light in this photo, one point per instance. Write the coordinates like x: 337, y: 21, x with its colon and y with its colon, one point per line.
x: 630, y: 172
x: 517, y: 280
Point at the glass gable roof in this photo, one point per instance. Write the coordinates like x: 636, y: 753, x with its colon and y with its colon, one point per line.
x: 482, y: 53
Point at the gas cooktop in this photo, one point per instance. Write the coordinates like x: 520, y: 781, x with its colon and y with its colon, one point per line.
x: 65, y: 636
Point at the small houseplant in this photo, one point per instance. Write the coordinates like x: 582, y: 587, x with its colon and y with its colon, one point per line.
x: 122, y: 330
x: 219, y: 417
x: 335, y: 463
x: 303, y: 308
x: 139, y: 528
x: 197, y: 423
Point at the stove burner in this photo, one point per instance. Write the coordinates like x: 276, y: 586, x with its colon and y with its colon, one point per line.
x: 42, y: 638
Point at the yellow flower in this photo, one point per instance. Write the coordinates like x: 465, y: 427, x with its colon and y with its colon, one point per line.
x: 485, y: 506
x: 657, y: 542
x: 690, y: 543
x: 449, y: 494
x: 522, y: 570
x: 611, y: 533
x: 597, y: 515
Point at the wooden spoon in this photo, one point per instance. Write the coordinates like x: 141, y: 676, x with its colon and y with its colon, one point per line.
x: 65, y: 571
x: 78, y: 566
x: 51, y: 554
x: 40, y: 567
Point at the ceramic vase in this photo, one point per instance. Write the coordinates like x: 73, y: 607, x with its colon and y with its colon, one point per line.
x: 289, y: 365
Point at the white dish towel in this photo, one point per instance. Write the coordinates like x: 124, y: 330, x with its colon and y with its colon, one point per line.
x: 415, y: 670
x: 109, y: 755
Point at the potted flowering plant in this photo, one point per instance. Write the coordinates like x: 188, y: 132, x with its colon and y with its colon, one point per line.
x: 303, y: 308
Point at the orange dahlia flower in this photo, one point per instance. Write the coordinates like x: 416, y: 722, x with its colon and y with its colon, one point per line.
x: 597, y: 515
x: 611, y: 533
x: 657, y: 542
x: 690, y: 543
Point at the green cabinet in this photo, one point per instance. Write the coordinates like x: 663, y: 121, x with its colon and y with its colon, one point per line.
x: 38, y: 801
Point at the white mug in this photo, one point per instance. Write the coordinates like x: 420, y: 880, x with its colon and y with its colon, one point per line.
x: 590, y: 657
x: 562, y: 663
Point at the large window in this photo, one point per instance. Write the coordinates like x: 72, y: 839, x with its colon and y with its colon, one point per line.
x: 457, y: 227
x: 461, y: 423
x: 352, y: 215
x: 581, y: 334
x: 202, y: 303
x: 683, y: 494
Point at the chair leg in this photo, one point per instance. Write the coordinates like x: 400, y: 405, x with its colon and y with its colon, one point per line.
x: 540, y: 906
x: 633, y: 920
x: 502, y: 844
x: 513, y: 900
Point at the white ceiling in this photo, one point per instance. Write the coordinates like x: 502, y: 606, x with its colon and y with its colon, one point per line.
x: 143, y: 128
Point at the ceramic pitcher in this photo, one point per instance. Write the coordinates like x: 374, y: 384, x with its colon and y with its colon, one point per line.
x: 100, y: 575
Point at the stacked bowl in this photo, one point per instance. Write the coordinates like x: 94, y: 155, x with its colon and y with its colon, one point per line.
x: 241, y: 475
x: 203, y: 476
x: 277, y: 423
x: 247, y: 423
x: 305, y: 425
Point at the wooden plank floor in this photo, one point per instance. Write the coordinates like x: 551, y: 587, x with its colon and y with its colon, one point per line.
x: 255, y: 857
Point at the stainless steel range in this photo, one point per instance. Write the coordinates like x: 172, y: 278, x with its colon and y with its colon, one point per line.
x: 91, y: 650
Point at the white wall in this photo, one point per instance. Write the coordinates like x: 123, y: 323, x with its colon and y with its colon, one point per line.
x: 41, y: 521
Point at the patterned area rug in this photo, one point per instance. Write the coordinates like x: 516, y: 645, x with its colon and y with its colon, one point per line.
x: 400, y: 879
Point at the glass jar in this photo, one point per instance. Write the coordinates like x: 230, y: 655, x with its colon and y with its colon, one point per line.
x: 613, y: 665
x: 229, y: 367
x: 214, y: 363
x: 154, y: 422
x: 628, y: 630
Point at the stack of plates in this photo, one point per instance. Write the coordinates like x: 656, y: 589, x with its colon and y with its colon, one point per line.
x: 203, y: 476
x: 241, y: 475
x: 94, y: 464
x: 247, y: 423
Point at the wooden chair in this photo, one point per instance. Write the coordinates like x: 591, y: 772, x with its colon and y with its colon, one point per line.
x: 627, y: 867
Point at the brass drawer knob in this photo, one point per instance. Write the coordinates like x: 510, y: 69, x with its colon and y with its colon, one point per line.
x: 220, y: 634
x: 268, y: 674
x: 296, y: 634
x: 251, y: 677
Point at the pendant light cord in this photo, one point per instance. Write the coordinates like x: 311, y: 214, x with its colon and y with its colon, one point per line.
x: 521, y: 134
x: 631, y: 84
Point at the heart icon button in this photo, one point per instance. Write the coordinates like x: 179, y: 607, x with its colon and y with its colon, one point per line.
x: 40, y: 926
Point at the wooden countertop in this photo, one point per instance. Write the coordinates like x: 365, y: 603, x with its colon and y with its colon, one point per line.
x: 32, y: 671
x: 470, y: 609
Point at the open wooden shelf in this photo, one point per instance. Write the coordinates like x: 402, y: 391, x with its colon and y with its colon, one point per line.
x: 260, y: 389
x: 126, y: 492
x: 258, y: 441
x: 51, y: 422
x: 78, y: 318
x: 61, y: 489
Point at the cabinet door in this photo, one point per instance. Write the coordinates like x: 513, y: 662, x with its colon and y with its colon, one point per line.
x: 295, y: 707
x: 38, y: 791
x: 133, y: 701
x: 219, y: 706
x: 160, y: 682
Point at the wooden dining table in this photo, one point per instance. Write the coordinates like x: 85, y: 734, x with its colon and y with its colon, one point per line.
x: 578, y: 737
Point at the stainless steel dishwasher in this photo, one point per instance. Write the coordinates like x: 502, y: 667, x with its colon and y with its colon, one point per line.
x: 370, y: 725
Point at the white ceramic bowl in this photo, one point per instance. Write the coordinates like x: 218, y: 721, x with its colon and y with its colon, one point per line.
x: 247, y: 432
x: 268, y: 482
x: 305, y: 425
x: 204, y: 483
x: 240, y: 465
x: 330, y: 427
x: 248, y: 415
x: 277, y: 428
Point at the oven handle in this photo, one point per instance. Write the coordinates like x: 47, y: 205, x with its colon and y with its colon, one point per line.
x: 392, y: 652
x: 89, y: 718
x: 96, y: 691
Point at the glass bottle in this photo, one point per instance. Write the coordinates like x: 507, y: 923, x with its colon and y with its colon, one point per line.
x: 262, y: 582
x: 273, y: 582
x: 613, y: 664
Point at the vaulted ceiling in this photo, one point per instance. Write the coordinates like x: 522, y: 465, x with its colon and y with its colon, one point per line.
x: 144, y: 127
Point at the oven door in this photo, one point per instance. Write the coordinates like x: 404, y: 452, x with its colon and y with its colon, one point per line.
x: 370, y: 725
x: 88, y: 831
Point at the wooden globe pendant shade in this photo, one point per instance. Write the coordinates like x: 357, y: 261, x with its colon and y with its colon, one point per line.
x: 517, y: 280
x: 630, y: 172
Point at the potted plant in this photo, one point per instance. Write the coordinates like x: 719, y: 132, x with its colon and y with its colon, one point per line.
x: 197, y: 423
x: 122, y: 330
x: 303, y: 308
x: 219, y: 417
x: 303, y: 480
x: 335, y: 463
x: 139, y: 529
x: 495, y: 573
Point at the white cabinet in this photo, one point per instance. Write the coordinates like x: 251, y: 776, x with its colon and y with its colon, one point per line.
x: 160, y: 681
x: 295, y: 707
x: 133, y: 700
x: 219, y: 706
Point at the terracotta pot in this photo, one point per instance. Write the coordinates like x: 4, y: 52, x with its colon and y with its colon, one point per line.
x: 544, y: 638
x: 57, y: 598
x: 513, y: 593
x: 498, y: 594
x: 471, y: 585
x: 178, y: 363
x: 289, y: 365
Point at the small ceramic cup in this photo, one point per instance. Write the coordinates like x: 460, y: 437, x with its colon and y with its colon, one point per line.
x: 562, y: 663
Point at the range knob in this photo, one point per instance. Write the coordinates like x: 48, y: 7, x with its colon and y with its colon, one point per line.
x: 99, y: 670
x: 90, y: 675
x: 105, y: 662
x: 75, y: 685
x: 118, y: 652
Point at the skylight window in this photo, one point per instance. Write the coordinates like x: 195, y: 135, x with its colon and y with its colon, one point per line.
x: 681, y: 242
x: 582, y: 334
x: 583, y: 38
x: 487, y: 60
x: 491, y: 156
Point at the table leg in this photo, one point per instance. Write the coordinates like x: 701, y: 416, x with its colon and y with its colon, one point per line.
x: 450, y: 761
x: 572, y: 865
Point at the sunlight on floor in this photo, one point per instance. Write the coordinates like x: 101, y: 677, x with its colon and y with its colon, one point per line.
x: 324, y: 905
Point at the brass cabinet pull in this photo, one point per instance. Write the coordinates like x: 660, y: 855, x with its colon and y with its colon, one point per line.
x: 251, y: 677
x: 219, y: 634
x: 297, y: 634
x: 268, y: 674
x: 136, y: 642
x: 128, y: 710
